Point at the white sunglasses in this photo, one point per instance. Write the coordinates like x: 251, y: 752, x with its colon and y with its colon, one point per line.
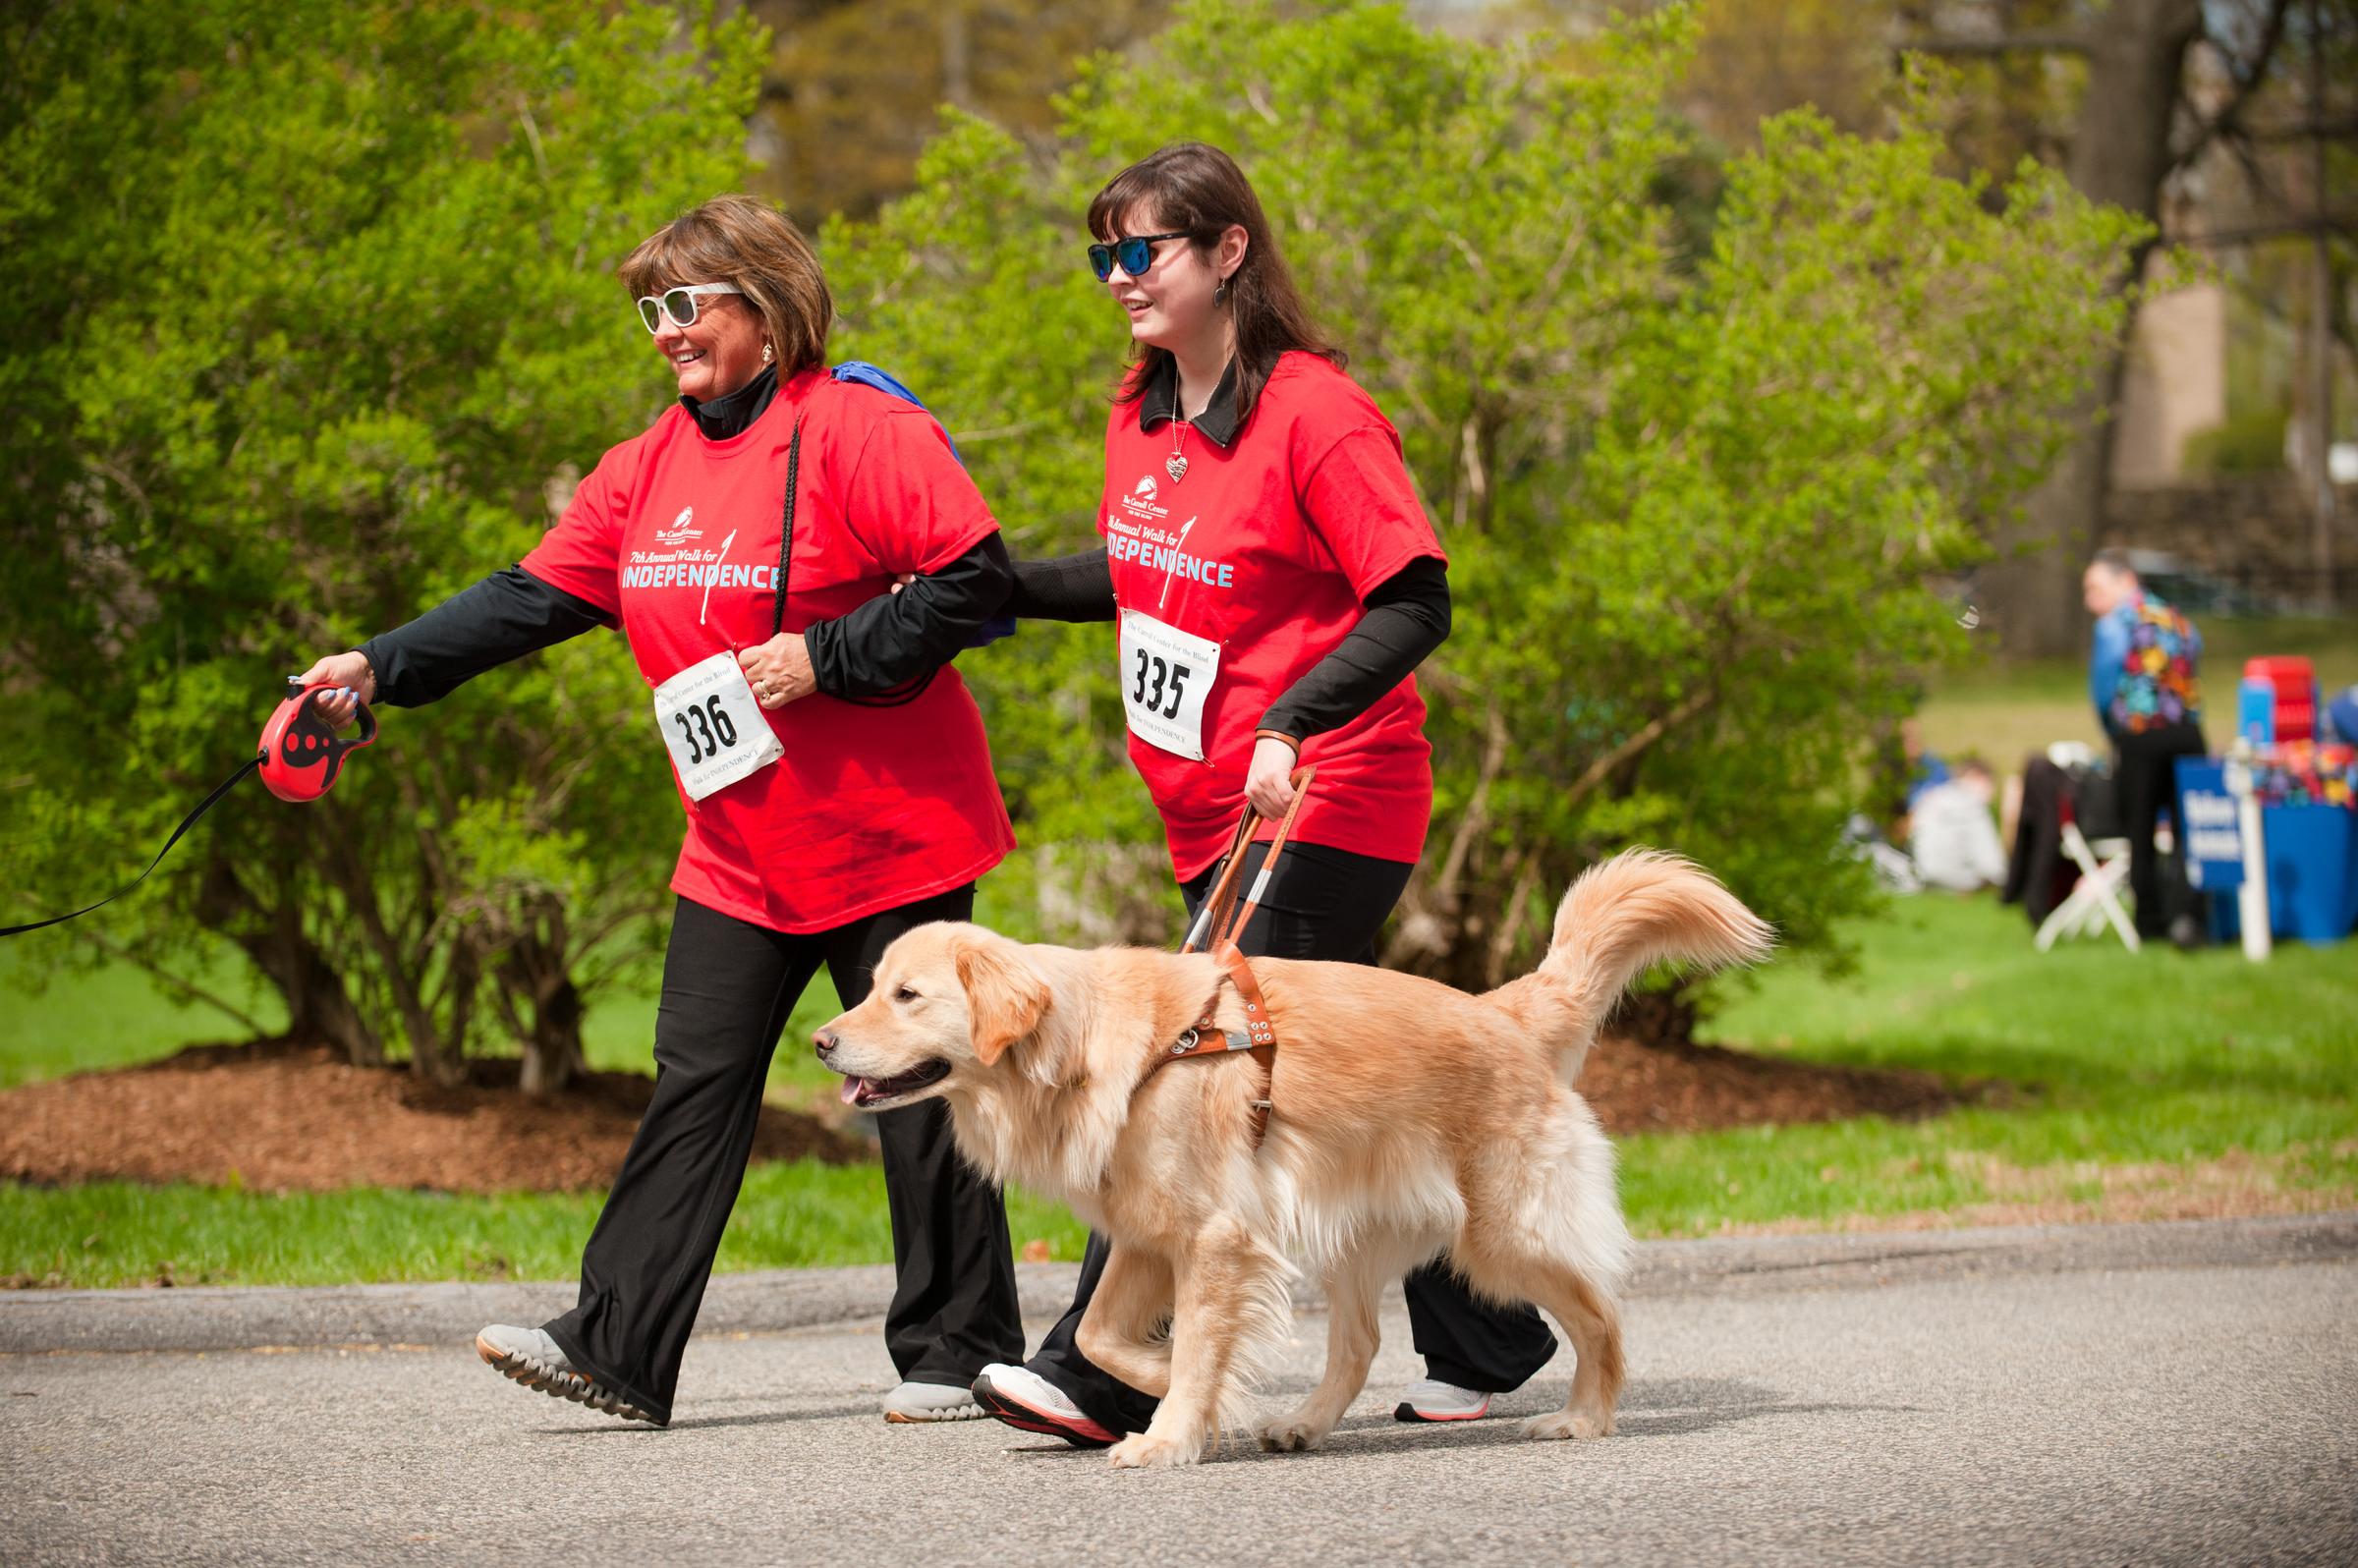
x: 678, y: 304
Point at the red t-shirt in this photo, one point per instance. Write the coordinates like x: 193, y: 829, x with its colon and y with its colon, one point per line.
x: 677, y: 537
x: 1267, y: 548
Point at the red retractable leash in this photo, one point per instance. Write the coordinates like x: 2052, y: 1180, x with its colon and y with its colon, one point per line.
x: 300, y: 756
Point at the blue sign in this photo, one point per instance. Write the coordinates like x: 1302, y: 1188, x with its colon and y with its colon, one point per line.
x: 2214, y: 837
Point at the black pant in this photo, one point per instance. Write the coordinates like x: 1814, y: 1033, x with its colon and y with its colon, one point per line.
x: 728, y: 989
x: 2037, y: 876
x: 1324, y: 904
x: 2145, y: 769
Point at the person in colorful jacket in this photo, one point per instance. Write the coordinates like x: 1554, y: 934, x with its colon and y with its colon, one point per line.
x: 2143, y: 679
x: 1275, y: 582
x: 833, y: 769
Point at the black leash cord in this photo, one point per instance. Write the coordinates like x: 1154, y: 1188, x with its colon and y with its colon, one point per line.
x: 908, y: 691
x: 186, y: 822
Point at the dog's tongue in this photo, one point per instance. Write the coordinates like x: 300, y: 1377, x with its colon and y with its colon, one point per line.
x: 851, y: 1089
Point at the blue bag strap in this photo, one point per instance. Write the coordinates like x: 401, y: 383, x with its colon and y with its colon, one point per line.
x: 862, y: 374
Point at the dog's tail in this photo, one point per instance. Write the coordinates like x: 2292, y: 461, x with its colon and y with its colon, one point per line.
x: 1640, y: 908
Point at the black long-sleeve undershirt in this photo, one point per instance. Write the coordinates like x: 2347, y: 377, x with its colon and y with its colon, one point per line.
x: 1407, y: 617
x: 505, y: 616
x: 884, y: 644
x: 895, y: 638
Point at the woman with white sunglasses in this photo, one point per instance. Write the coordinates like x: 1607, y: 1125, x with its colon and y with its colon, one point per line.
x: 837, y: 783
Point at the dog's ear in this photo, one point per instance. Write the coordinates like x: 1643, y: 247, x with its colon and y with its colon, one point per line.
x: 1004, y: 996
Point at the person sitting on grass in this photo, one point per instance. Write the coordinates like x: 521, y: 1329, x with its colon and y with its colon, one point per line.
x: 1952, y: 838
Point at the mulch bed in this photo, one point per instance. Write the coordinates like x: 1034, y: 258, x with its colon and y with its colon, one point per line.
x: 281, y: 1116
x: 1673, y: 1087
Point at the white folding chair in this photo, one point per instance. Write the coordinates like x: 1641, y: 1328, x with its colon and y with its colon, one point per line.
x: 2095, y: 899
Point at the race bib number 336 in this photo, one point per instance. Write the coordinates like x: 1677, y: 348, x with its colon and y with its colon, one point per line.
x: 1166, y: 674
x: 713, y: 726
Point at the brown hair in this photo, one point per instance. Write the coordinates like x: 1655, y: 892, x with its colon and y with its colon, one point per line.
x: 1198, y: 190
x: 740, y: 240
x: 2113, y: 559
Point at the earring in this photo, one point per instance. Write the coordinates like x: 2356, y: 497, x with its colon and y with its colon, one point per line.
x: 764, y: 353
x: 1219, y: 292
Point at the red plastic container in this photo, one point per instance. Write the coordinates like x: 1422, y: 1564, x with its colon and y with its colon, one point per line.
x: 2295, y: 683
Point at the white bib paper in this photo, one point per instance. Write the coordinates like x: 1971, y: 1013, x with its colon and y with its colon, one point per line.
x: 714, y: 725
x: 1165, y: 675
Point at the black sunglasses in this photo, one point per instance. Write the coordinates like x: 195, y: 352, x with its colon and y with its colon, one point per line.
x: 1135, y: 251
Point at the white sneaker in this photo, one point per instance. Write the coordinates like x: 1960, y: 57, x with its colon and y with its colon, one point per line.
x: 1431, y: 1399
x: 528, y: 1356
x: 1028, y: 1402
x: 914, y: 1402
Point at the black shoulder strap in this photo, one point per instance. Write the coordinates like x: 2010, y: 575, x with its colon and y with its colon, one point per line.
x: 793, y: 464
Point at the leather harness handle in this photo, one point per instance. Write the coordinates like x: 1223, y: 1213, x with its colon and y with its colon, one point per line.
x: 1216, y: 928
x: 1268, y: 862
x: 1213, y: 924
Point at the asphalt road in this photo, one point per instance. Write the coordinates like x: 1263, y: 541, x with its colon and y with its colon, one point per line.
x: 2148, y: 1394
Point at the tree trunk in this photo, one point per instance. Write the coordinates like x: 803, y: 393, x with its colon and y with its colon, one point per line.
x: 534, y: 974
x: 552, y: 1051
x: 318, y: 1005
x: 2120, y: 154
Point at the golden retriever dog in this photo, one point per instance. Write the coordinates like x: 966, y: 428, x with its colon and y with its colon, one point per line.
x: 1409, y: 1121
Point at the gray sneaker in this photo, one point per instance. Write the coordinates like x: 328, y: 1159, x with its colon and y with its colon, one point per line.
x: 530, y: 1357
x: 912, y: 1402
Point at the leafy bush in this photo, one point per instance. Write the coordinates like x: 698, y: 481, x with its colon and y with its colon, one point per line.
x: 323, y: 319
x: 326, y: 317
x: 1692, y: 501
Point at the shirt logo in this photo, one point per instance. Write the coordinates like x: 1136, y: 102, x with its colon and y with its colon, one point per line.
x: 680, y: 532
x: 1140, y: 502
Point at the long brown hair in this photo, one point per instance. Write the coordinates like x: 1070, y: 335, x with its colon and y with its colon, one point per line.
x: 737, y: 238
x: 1198, y: 190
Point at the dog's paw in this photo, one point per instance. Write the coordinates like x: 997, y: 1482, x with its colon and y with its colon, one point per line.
x: 1143, y: 1450
x: 1291, y: 1436
x: 1560, y: 1424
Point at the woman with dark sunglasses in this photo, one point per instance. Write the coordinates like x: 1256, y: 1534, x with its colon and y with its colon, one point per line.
x: 837, y: 779
x: 1275, y: 582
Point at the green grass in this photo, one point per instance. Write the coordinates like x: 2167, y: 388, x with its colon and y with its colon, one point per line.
x: 2121, y: 1070
x: 2157, y: 1069
x: 2154, y: 1079
x: 55, y: 1020
x: 794, y: 1215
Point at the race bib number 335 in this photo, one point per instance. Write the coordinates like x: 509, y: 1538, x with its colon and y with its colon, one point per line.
x: 1166, y: 674
x: 713, y: 726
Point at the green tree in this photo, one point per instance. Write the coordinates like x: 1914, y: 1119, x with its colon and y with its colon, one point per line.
x: 1695, y: 504
x: 325, y: 325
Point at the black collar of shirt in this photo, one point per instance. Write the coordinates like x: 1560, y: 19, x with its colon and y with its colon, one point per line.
x: 721, y: 417
x: 1160, y: 404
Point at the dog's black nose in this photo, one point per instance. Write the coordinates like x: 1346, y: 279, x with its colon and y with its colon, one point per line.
x: 827, y: 1043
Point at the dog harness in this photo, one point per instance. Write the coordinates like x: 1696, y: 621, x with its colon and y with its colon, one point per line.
x: 1218, y: 926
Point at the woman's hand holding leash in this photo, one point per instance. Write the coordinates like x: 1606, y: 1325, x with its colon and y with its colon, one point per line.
x: 779, y: 670
x: 1270, y: 781
x: 355, y: 680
